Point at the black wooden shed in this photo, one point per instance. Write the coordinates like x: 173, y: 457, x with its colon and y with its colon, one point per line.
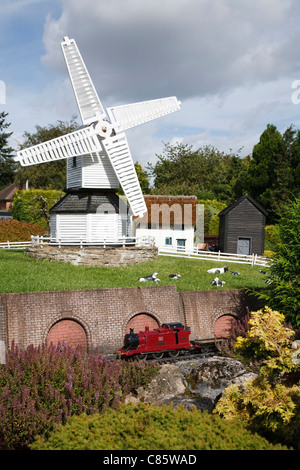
x: 242, y: 227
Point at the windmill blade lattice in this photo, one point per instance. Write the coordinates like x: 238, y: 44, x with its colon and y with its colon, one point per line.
x: 131, y: 115
x: 119, y: 153
x: 86, y: 96
x: 80, y: 142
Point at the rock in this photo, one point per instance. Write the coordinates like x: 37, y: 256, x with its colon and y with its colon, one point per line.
x: 208, y: 377
x: 193, y: 383
x: 168, y: 384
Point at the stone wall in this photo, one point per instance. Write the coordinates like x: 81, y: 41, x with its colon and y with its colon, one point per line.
x: 104, y: 314
x: 95, y: 256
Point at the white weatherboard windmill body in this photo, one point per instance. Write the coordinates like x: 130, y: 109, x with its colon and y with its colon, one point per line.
x: 98, y: 161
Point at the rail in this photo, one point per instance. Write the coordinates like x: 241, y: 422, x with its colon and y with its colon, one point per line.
x: 37, y: 240
x: 181, y: 252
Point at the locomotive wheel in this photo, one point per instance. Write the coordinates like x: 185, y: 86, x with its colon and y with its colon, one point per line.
x: 174, y: 353
x: 158, y: 355
x: 142, y: 356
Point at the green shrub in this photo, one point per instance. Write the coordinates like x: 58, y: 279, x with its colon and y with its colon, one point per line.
x: 33, y: 205
x: 41, y: 387
x: 15, y: 231
x: 270, y: 403
x: 150, y: 427
x: 271, y: 235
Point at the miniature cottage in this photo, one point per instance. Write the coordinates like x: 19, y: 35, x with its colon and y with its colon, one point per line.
x: 170, y: 220
x: 242, y: 227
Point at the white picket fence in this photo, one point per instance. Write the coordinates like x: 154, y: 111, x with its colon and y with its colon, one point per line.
x: 37, y: 240
x: 179, y: 252
x: 15, y: 245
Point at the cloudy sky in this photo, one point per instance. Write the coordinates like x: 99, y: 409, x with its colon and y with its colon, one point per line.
x: 232, y: 64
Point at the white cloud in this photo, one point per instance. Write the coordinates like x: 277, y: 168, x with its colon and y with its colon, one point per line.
x: 231, y: 63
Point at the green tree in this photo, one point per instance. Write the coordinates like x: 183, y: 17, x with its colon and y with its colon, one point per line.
x: 51, y: 175
x: 273, y: 176
x: 7, y: 164
x: 143, y: 177
x: 33, y: 205
x: 206, y: 173
x: 283, y: 293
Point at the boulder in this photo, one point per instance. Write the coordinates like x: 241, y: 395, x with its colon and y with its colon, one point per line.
x: 193, y: 383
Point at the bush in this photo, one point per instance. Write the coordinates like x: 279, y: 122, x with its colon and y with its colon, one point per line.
x: 41, y: 387
x: 271, y: 235
x: 283, y: 292
x: 150, y: 427
x: 15, y: 231
x: 270, y: 403
x: 33, y: 205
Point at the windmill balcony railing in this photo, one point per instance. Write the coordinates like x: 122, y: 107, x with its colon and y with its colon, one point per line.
x: 123, y: 241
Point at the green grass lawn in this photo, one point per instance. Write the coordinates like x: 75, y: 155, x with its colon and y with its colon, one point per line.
x: 20, y: 273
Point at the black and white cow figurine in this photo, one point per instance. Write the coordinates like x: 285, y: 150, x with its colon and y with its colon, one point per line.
x: 151, y: 277
x: 235, y: 273
x: 175, y: 276
x: 217, y: 282
x: 218, y: 270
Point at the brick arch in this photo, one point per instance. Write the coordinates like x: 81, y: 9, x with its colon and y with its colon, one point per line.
x: 70, y: 331
x: 223, y: 326
x: 139, y: 321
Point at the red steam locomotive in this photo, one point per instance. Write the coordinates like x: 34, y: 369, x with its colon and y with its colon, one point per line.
x: 171, y: 339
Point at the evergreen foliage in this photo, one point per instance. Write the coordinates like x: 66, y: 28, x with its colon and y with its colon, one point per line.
x: 283, y: 293
x: 7, y: 164
x: 270, y: 403
x: 33, y: 205
x: 273, y: 176
x: 150, y: 427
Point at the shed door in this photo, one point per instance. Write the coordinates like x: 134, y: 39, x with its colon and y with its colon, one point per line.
x: 243, y: 246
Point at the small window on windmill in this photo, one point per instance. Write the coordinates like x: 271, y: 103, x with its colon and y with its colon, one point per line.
x: 74, y: 162
x: 105, y: 212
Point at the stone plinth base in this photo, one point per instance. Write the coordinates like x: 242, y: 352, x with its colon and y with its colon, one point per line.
x: 95, y: 256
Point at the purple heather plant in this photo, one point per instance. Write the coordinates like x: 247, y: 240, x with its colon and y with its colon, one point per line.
x: 41, y: 387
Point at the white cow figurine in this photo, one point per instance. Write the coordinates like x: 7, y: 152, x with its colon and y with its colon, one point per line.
x: 217, y: 282
x: 151, y: 277
x: 218, y: 270
x: 174, y: 276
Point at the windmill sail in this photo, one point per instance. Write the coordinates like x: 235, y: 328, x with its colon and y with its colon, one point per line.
x: 120, y: 157
x: 132, y: 115
x: 80, y: 142
x: 87, y: 98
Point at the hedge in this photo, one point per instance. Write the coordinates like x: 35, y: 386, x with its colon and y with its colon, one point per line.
x: 15, y: 231
x: 151, y: 427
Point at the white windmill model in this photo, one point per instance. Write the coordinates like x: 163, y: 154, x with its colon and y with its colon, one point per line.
x: 98, y: 161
